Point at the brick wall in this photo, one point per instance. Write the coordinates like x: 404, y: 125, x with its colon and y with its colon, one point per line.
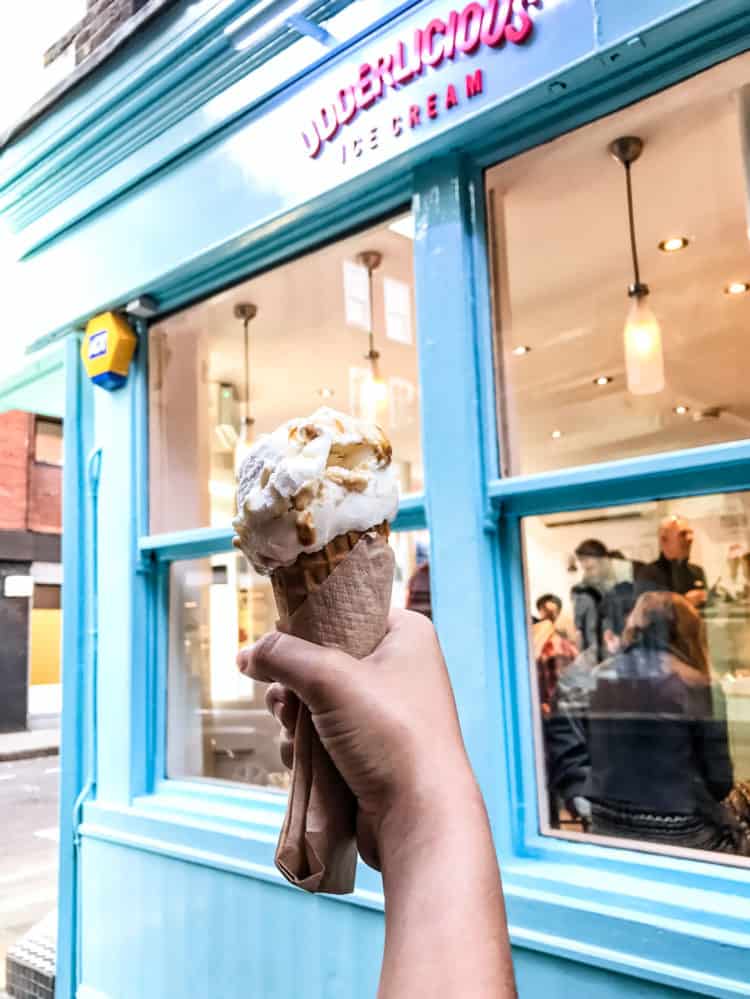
x: 45, y: 499
x: 30, y: 493
x: 15, y: 445
x: 101, y: 20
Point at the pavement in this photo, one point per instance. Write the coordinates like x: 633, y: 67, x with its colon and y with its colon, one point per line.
x: 28, y: 846
x: 27, y: 745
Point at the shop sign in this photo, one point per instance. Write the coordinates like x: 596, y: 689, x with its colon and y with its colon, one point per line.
x: 438, y: 43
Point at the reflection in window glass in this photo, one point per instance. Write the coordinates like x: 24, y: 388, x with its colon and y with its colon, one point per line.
x: 217, y: 723
x: 212, y: 390
x: 640, y: 639
x: 562, y: 268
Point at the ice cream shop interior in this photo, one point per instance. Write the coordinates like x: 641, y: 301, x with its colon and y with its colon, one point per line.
x: 514, y: 235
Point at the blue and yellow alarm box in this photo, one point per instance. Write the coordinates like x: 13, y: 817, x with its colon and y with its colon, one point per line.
x: 107, y: 350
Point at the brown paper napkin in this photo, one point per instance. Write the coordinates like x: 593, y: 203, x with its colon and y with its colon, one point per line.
x: 317, y: 847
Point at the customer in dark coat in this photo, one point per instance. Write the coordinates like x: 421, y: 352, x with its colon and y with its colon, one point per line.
x: 658, y: 748
x: 673, y: 571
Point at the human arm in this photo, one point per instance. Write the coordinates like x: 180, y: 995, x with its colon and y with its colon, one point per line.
x: 390, y: 725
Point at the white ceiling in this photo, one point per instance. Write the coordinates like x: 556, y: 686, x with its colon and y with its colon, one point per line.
x: 563, y: 211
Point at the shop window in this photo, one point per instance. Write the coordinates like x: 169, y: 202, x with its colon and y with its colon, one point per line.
x: 48, y: 441
x: 279, y: 345
x: 571, y: 393
x: 640, y: 637
x: 218, y: 726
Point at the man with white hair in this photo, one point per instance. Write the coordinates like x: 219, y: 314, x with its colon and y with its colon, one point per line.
x: 672, y: 570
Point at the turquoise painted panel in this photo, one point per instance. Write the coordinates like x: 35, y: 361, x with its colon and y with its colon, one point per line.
x: 451, y: 321
x: 75, y: 542
x: 616, y: 19
x: 540, y: 975
x: 154, y: 927
x: 119, y: 667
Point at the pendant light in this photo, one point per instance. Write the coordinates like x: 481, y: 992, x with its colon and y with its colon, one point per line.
x: 644, y: 355
x: 245, y: 311
x: 373, y: 397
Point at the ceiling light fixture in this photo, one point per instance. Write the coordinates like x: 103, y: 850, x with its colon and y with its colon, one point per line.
x: 245, y: 311
x: 374, y: 390
x: 681, y: 410
x: 737, y: 288
x: 603, y: 380
x: 644, y: 356
x: 556, y: 435
x: 674, y: 244
x: 521, y: 350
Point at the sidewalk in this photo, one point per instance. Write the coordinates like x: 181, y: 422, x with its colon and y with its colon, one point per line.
x: 25, y: 745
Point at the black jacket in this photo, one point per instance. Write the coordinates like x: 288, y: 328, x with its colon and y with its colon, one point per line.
x: 627, y: 732
x: 673, y: 575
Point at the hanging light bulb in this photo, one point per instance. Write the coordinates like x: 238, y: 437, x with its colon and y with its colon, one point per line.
x: 245, y: 311
x: 644, y: 353
x: 373, y: 392
x: 644, y: 357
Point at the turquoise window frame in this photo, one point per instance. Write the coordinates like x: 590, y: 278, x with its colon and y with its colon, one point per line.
x: 668, y: 920
x: 547, y: 878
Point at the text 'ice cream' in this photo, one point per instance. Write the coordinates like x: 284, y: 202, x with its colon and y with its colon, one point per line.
x: 309, y: 481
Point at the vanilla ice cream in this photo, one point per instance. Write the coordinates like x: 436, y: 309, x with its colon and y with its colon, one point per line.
x: 309, y: 481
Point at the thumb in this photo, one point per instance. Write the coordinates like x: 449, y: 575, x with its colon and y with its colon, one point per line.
x: 309, y: 670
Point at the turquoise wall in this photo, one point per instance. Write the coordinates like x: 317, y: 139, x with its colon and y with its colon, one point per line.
x: 155, y: 176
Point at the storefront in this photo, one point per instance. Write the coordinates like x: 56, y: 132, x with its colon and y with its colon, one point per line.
x: 257, y: 190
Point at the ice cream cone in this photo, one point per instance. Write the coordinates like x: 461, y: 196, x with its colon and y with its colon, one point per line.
x: 306, y: 496
x: 292, y: 584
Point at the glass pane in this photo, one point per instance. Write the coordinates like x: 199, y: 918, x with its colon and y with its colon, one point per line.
x: 640, y: 638
x: 218, y: 726
x: 562, y: 268
x: 48, y: 441
x: 307, y: 337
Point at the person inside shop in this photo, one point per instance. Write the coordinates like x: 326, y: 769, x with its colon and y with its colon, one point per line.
x: 647, y: 743
x: 391, y: 727
x: 587, y: 597
x: 673, y: 571
x: 548, y: 608
x: 418, y: 595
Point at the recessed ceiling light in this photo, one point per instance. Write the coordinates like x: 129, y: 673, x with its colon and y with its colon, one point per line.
x: 556, y: 435
x: 673, y: 244
x: 737, y: 288
x: 602, y: 380
x: 325, y: 392
x: 521, y: 350
x: 681, y: 410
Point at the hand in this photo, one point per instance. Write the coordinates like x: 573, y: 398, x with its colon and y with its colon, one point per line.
x: 698, y: 598
x: 389, y: 723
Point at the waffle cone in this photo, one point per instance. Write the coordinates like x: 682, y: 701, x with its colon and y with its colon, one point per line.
x: 292, y: 584
x: 340, y: 598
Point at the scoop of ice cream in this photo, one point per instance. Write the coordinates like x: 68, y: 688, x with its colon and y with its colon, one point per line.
x: 309, y: 481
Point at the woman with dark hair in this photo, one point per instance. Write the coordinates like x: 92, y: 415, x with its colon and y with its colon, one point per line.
x: 657, y: 735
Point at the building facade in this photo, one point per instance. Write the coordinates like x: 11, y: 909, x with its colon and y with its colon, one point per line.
x: 30, y: 605
x: 257, y: 189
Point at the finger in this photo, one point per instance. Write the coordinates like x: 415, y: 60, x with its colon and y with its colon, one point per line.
x: 283, y: 704
x: 308, y: 670
x: 286, y: 748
